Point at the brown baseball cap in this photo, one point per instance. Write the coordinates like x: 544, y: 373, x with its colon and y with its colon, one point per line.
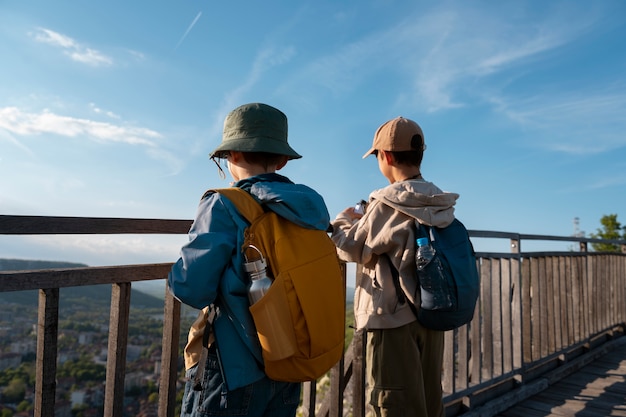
x: 396, y: 135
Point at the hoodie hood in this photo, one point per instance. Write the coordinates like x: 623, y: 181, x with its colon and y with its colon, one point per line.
x: 419, y: 199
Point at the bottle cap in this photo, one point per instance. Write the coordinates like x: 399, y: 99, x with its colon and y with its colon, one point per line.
x: 422, y: 241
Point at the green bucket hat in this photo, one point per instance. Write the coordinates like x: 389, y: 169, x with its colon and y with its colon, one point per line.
x: 255, y: 127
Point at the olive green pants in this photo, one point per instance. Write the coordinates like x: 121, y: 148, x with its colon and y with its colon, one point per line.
x: 404, y: 371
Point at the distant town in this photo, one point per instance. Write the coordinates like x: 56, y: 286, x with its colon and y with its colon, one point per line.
x: 82, y: 352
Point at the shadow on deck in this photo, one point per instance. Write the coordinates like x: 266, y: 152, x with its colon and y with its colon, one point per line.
x: 595, y: 389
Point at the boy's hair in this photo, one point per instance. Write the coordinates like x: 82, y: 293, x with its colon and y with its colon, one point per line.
x: 413, y: 157
x: 264, y: 159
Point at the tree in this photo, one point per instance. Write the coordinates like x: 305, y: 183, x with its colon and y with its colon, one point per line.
x: 24, y: 406
x: 611, y: 230
x: 15, y: 391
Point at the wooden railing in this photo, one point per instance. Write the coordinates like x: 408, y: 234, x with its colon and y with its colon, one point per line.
x: 538, y: 311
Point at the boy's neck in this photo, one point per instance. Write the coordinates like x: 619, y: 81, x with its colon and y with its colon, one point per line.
x: 405, y: 173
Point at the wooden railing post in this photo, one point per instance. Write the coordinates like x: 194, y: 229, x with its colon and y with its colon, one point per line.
x: 116, y: 355
x: 169, y: 356
x: 309, y: 398
x: 46, y: 369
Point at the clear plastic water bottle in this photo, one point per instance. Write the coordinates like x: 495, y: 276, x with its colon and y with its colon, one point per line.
x: 433, y: 287
x: 276, y: 338
x: 257, y: 270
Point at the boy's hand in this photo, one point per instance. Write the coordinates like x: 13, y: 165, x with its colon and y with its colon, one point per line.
x: 351, y: 214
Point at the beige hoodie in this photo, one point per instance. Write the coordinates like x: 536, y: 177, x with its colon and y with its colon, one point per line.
x: 386, y: 233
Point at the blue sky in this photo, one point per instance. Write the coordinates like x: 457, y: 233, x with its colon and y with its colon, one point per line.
x: 109, y: 109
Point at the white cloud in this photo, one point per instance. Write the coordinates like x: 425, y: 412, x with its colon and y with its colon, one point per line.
x: 7, y: 136
x: 432, y: 56
x: 265, y: 60
x: 76, y: 51
x: 454, y: 51
x: 23, y: 123
x: 193, y: 23
x: 53, y: 38
x: 98, y: 110
x: 584, y: 122
x: 97, y: 250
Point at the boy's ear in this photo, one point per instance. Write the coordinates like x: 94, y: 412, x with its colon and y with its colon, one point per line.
x: 235, y: 156
x: 282, y: 163
x: 388, y: 157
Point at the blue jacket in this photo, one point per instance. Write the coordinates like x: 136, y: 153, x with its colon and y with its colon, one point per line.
x: 210, y: 269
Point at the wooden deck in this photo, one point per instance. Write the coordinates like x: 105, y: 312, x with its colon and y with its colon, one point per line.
x: 596, y: 389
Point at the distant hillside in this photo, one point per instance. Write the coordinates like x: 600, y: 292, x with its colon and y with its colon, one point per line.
x: 27, y: 264
x: 80, y: 297
x: 144, y: 293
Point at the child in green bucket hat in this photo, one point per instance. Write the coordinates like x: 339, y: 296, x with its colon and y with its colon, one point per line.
x: 209, y: 270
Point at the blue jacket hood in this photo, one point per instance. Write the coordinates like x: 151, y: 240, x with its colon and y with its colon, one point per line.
x: 295, y: 202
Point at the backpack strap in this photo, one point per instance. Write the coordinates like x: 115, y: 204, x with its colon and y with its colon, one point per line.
x: 243, y: 201
x: 395, y: 277
x: 207, y: 341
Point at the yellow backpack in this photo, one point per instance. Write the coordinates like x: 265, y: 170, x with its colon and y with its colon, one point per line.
x: 306, y: 298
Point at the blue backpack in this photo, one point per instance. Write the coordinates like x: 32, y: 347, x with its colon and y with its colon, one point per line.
x: 459, y: 272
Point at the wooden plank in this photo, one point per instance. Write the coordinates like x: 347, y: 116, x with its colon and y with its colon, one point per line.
x: 600, y: 292
x: 570, y: 280
x: 583, y: 313
x: 621, y: 272
x: 544, y: 314
x: 486, y: 369
x: 594, y: 282
x: 551, y: 324
x: 507, y: 315
x: 448, y: 382
x: 496, y: 319
x: 566, y: 300
x: 535, y: 309
x: 557, y: 295
x: 464, y: 358
x: 476, y: 330
x: 620, y: 266
x: 516, y: 312
x: 526, y: 294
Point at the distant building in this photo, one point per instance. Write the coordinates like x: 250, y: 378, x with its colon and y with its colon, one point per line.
x: 78, y: 398
x: 24, y: 346
x: 134, y: 379
x: 133, y: 352
x: 63, y: 409
x: 66, y: 356
x: 86, y: 338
